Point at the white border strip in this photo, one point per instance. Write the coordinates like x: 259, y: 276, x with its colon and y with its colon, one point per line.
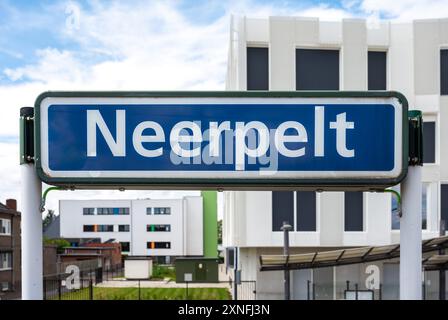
x: 293, y: 175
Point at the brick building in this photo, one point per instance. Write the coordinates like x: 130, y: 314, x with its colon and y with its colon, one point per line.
x: 10, y: 273
x: 105, y: 255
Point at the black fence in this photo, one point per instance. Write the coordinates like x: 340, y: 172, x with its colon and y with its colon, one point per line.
x: 245, y: 290
x: 57, y: 289
x: 61, y: 287
x: 72, y: 286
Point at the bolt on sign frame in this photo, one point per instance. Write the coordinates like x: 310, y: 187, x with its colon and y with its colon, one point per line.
x: 375, y: 125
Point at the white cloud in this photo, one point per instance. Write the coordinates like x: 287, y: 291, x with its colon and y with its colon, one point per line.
x: 9, y: 171
x: 148, y: 46
x: 400, y: 10
x: 325, y: 12
x: 53, y: 64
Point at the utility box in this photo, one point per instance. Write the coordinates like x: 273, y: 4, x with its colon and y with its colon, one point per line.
x: 197, y: 270
x: 137, y: 268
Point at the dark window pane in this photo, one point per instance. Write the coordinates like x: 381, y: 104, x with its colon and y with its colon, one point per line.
x: 230, y: 257
x: 306, y: 211
x: 162, y: 210
x: 257, y: 69
x: 123, y: 228
x: 377, y: 66
x: 444, y: 203
x: 353, y: 211
x: 444, y: 72
x: 158, y: 245
x: 282, y: 209
x: 88, y: 211
x: 125, y: 247
x: 317, y: 69
x: 158, y: 228
x: 105, y: 228
x: 88, y: 228
x: 429, y: 142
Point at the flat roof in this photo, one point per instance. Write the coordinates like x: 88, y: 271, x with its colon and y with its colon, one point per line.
x: 321, y: 259
x: 138, y: 258
x: 81, y: 255
x: 91, y: 248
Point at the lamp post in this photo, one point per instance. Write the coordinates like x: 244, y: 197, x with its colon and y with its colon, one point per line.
x: 286, y: 228
x: 32, y: 275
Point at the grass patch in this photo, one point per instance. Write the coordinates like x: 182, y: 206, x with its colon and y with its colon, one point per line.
x: 161, y: 272
x: 148, y: 294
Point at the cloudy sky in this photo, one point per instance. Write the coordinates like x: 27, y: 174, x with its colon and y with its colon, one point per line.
x: 136, y: 45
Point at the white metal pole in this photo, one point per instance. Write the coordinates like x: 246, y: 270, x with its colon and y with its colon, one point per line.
x: 32, y: 275
x: 411, y: 236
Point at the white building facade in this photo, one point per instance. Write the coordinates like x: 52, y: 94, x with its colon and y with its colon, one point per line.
x: 289, y: 53
x: 165, y: 228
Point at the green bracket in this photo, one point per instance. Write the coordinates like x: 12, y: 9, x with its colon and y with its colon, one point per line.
x: 26, y: 135
x: 415, y: 138
x: 397, y: 194
x: 44, y: 196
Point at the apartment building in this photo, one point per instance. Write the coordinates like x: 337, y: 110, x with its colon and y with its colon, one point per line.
x: 10, y: 275
x: 163, y: 228
x: 291, y: 53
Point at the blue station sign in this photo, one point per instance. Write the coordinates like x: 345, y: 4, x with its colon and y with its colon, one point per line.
x: 222, y: 140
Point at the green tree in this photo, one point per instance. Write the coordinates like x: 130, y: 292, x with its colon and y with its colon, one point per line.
x: 49, y: 217
x: 59, y: 243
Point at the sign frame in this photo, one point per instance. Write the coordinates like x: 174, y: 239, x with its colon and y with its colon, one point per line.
x: 361, y: 184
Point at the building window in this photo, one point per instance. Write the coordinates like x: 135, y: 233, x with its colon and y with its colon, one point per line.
x: 158, y: 245
x: 4, y: 286
x: 104, y: 211
x: 158, y: 211
x: 124, y: 211
x: 125, y: 246
x: 306, y: 211
x: 444, y: 72
x: 282, y: 209
x: 257, y: 68
x: 5, y: 260
x: 105, y: 228
x: 444, y: 204
x: 113, y: 211
x: 158, y: 228
x: 98, y: 228
x: 230, y: 257
x: 123, y: 228
x: 149, y: 211
x: 353, y: 204
x: 89, y: 228
x: 88, y: 211
x: 317, y: 69
x: 5, y: 226
x: 377, y: 70
x: 429, y: 142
